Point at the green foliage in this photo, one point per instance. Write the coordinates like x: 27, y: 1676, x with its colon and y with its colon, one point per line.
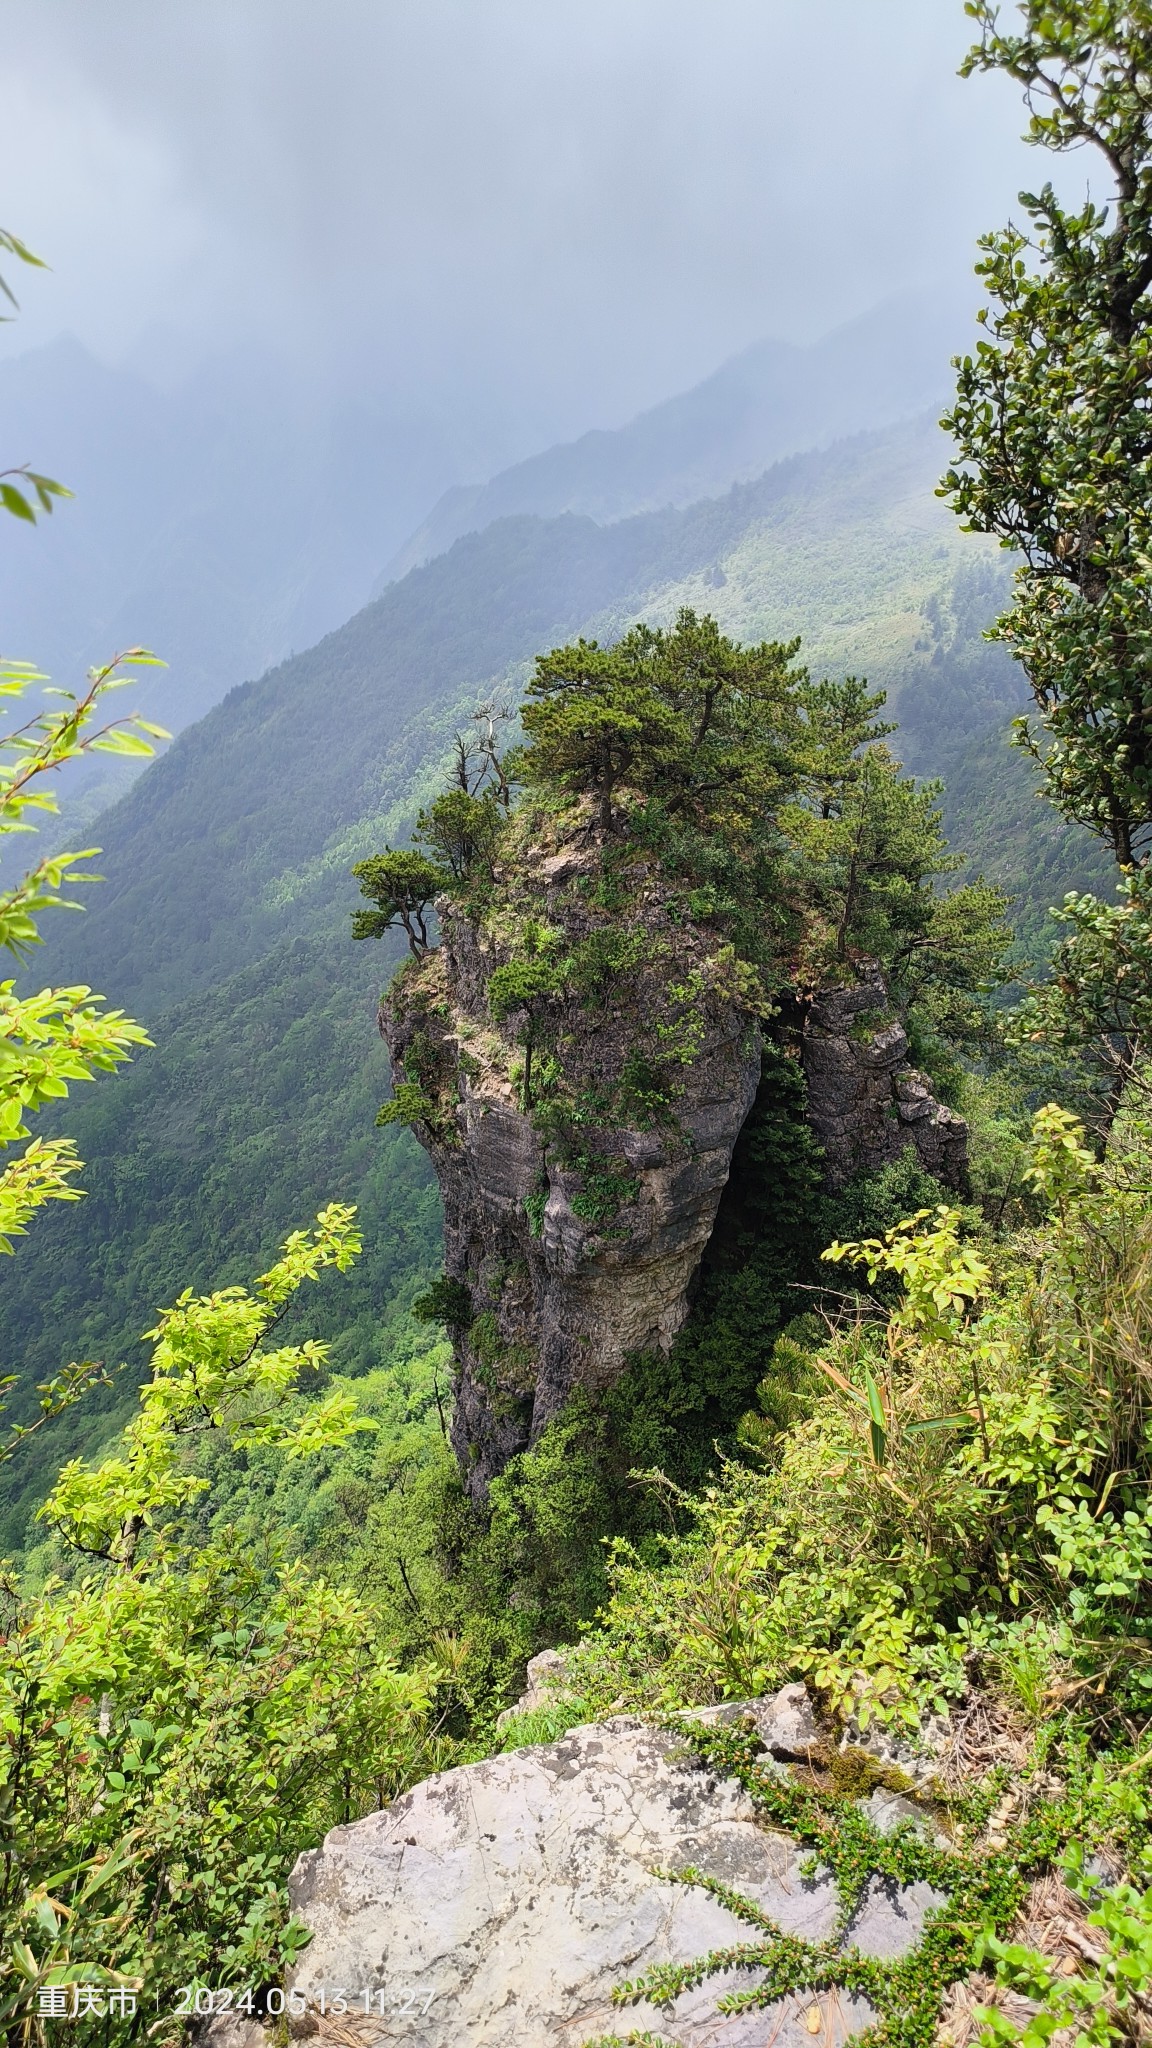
x: 907, y: 1993
x: 60, y: 1035
x: 37, y: 497
x: 592, y: 720
x: 39, y: 492
x: 401, y: 885
x: 184, y: 1715
x: 209, y: 1371
x: 407, y: 1104
x: 462, y: 831
x: 941, y: 1276
x: 776, y: 801
x: 521, y: 985
x: 261, y: 1081
x: 260, y: 1095
x: 1099, y: 997
x: 15, y: 247
x: 524, y: 986
x: 605, y: 1189
x: 543, y: 1724
x: 747, y: 1336
x: 789, y: 1389
x: 1103, y: 2002
x: 761, y: 1251
x: 446, y: 1302
x: 688, y: 714
x: 1050, y: 417
x: 872, y: 848
x: 973, y: 1469
x: 840, y: 723
x: 530, y: 1571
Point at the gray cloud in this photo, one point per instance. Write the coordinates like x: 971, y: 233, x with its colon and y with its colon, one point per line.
x: 575, y: 206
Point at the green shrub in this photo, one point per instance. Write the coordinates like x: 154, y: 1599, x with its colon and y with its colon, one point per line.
x: 973, y: 1468
x: 181, y: 1715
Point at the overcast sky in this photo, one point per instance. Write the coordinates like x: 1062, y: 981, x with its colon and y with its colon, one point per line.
x: 585, y: 203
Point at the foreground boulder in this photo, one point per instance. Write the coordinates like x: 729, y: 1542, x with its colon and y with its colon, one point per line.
x: 499, y: 1904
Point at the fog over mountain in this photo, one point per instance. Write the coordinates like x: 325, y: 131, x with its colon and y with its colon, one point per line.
x: 582, y: 208
x: 226, y: 520
x: 772, y: 400
x: 239, y: 514
x: 318, y: 275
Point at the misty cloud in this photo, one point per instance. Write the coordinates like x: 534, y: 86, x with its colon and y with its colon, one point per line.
x: 582, y: 205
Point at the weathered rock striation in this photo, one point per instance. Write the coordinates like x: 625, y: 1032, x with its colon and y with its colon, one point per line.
x: 583, y: 1143
x: 575, y: 1223
x: 866, y: 1105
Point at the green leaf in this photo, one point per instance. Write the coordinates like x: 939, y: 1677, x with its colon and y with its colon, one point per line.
x: 877, y: 1422
x: 15, y: 502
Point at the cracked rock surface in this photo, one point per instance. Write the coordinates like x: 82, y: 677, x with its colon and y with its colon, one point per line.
x: 575, y: 1220
x: 866, y: 1105
x: 498, y: 1904
x: 576, y: 1240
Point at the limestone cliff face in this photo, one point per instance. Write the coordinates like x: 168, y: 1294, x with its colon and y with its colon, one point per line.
x: 579, y: 1197
x: 575, y: 1223
x: 866, y: 1105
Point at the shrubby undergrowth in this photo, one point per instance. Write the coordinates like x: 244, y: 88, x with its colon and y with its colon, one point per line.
x: 963, y: 1481
x: 181, y: 1714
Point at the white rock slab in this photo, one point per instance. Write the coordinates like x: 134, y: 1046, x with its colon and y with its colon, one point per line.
x: 890, y: 1917
x: 496, y: 1905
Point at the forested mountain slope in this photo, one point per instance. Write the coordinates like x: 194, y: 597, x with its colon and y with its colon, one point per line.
x: 766, y: 403
x: 245, y: 831
x: 223, y: 921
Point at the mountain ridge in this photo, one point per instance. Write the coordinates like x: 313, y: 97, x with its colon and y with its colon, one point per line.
x: 769, y: 401
x: 233, y: 824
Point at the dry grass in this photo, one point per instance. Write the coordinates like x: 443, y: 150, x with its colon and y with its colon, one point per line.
x: 987, y: 1733
x: 1055, y: 1923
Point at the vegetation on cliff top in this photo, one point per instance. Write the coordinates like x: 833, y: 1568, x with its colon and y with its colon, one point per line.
x: 256, y: 1104
x: 770, y: 805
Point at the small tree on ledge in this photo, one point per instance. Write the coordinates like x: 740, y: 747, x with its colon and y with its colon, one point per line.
x: 593, y: 720
x: 401, y: 886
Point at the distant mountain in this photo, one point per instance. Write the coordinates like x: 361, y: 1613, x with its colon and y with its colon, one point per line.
x: 245, y: 830
x: 771, y: 401
x: 225, y: 517
x: 231, y: 514
x: 224, y: 919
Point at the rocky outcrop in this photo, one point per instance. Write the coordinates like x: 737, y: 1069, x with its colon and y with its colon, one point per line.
x: 543, y: 1684
x: 583, y: 1141
x: 501, y: 1903
x: 574, y: 1223
x: 866, y: 1105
